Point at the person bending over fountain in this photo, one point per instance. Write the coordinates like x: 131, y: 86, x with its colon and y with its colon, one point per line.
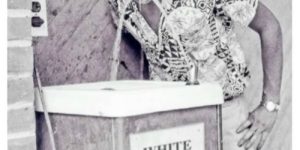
x: 179, y: 36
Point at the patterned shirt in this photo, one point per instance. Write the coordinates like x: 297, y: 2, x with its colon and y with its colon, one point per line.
x: 193, y: 31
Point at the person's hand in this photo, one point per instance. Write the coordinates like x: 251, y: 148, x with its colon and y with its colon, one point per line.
x: 257, y: 127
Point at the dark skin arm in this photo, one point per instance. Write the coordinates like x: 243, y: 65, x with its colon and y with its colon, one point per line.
x: 260, y: 122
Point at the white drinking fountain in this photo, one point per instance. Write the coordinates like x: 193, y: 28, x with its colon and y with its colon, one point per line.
x: 131, y: 115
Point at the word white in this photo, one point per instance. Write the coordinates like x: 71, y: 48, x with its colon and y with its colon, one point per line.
x: 181, y: 145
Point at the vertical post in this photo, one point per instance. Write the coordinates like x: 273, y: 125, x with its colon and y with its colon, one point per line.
x: 118, y: 133
x: 219, y: 122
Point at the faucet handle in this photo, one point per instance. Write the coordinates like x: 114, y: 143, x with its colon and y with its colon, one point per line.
x: 193, y: 76
x: 193, y: 72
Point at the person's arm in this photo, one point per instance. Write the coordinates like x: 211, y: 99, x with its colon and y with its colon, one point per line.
x: 261, y: 121
x: 269, y: 30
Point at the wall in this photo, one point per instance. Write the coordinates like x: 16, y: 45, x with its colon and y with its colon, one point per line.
x: 80, y: 41
x: 78, y: 48
x: 21, y: 115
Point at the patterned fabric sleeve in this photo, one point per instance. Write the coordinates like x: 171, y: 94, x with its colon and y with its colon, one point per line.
x: 241, y: 11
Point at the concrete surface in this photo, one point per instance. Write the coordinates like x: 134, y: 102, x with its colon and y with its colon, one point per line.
x: 19, y: 28
x: 78, y: 49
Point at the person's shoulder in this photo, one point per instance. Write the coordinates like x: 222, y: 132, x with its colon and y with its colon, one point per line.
x: 241, y: 11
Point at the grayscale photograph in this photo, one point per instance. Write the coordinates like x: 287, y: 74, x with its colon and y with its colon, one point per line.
x: 149, y: 74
